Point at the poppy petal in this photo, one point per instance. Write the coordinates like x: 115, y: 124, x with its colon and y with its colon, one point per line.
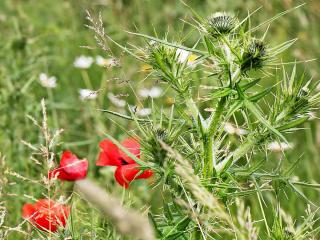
x: 77, y: 170
x: 60, y: 174
x: 146, y: 174
x: 67, y: 157
x: 105, y: 160
x: 125, y: 174
x: 45, y: 222
x: 110, y: 155
x: 71, y: 168
x: 61, y: 214
x: 57, y: 173
x: 28, y: 211
x: 46, y: 215
x: 133, y: 147
x: 44, y: 203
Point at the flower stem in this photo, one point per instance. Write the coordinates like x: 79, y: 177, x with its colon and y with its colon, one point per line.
x: 191, y: 105
x: 217, y: 115
x: 209, y: 161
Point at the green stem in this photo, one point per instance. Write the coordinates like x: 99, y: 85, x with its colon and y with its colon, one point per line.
x: 209, y: 162
x: 208, y: 158
x: 191, y: 105
x: 217, y: 115
x: 86, y: 79
x: 207, y: 139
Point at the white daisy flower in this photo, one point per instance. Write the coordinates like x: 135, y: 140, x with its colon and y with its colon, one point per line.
x: 143, y: 112
x: 153, y: 92
x: 103, y: 62
x: 279, y: 146
x: 115, y: 100
x: 46, y: 81
x: 186, y: 56
x: 100, y: 60
x: 182, y: 55
x: 83, y: 62
x: 86, y: 94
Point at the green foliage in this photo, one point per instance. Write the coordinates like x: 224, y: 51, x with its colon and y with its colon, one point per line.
x: 219, y: 71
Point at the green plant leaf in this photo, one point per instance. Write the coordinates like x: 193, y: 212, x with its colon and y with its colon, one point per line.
x: 260, y: 95
x: 222, y: 92
x: 256, y: 112
x: 154, y: 224
x: 248, y: 85
x: 293, y: 123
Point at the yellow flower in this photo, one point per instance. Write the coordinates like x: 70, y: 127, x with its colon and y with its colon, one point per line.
x: 169, y: 101
x: 192, y: 58
x: 145, y: 68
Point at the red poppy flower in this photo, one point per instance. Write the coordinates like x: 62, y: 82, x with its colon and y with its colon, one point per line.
x: 133, y: 147
x: 111, y: 155
x: 71, y: 168
x: 127, y: 169
x: 46, y: 215
x: 125, y: 174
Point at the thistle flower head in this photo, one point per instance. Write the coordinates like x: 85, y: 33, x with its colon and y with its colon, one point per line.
x: 161, y: 134
x: 157, y: 51
x: 164, y: 59
x: 254, y: 55
x: 257, y: 48
x: 153, y: 147
x: 221, y: 23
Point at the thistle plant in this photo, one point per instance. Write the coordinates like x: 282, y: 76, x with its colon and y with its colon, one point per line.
x: 203, y: 171
x: 215, y: 153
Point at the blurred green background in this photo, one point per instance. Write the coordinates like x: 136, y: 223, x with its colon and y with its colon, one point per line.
x: 45, y: 36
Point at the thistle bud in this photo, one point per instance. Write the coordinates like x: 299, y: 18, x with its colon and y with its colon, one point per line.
x: 158, y: 153
x: 254, y: 55
x: 162, y: 59
x: 221, y: 23
x: 157, y: 52
x: 161, y: 134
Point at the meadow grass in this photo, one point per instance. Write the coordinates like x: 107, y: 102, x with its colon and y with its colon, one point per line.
x: 47, y: 36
